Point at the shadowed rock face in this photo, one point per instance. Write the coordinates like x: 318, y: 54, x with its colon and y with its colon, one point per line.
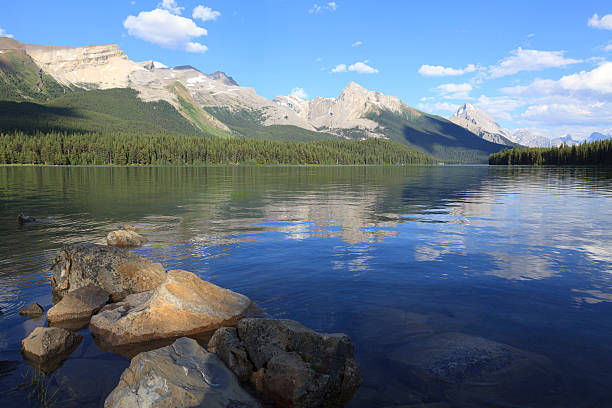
x: 180, y: 375
x: 77, y: 307
x: 289, y: 363
x: 183, y: 305
x: 48, y: 347
x: 116, y: 271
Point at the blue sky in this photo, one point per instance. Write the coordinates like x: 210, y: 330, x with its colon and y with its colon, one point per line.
x: 542, y: 65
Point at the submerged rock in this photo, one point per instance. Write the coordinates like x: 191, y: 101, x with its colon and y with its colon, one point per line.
x: 125, y: 238
x: 183, y: 305
x: 180, y: 375
x: 48, y: 347
x: 115, y: 270
x: 289, y: 363
x: 77, y: 307
x: 32, y: 311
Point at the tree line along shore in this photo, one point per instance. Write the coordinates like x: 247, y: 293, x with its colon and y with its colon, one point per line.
x: 594, y: 153
x: 63, y: 148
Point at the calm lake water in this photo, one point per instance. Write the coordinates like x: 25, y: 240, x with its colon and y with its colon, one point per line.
x: 411, y: 262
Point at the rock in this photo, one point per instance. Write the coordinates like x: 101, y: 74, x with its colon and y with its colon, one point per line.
x: 49, y: 346
x: 459, y: 358
x: 291, y: 364
x: 226, y: 344
x: 183, y: 305
x: 128, y: 227
x: 77, y: 307
x: 32, y: 311
x: 180, y: 375
x: 125, y: 238
x: 116, y: 271
x: 24, y: 219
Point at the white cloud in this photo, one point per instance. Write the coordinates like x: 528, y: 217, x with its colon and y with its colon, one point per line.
x: 5, y: 34
x: 356, y: 44
x: 362, y: 68
x: 171, y: 6
x: 438, y: 70
x: 331, y: 6
x: 595, y: 82
x: 163, y: 28
x: 608, y: 47
x: 358, y: 67
x: 454, y: 91
x: 300, y: 93
x: 569, y: 112
x: 339, y: 68
x: 529, y: 60
x: 205, y: 13
x: 319, y: 59
x: 500, y: 107
x: 603, y: 23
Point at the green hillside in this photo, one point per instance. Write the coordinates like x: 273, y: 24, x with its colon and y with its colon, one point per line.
x: 22, y: 80
x: 435, y: 136
x: 96, y: 111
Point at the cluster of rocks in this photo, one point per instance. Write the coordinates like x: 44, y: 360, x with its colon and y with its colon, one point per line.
x: 161, y: 320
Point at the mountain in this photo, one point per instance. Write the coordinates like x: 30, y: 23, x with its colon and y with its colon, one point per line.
x: 361, y: 113
x: 596, y: 136
x: 481, y: 124
x: 211, y: 104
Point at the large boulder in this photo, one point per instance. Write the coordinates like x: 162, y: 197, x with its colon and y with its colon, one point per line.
x: 180, y: 375
x: 115, y: 270
x: 32, y: 311
x: 48, y: 347
x: 125, y: 238
x: 183, y: 305
x: 76, y: 307
x: 291, y: 364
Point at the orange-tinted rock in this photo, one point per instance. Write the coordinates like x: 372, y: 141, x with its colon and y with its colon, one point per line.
x: 125, y: 238
x: 77, y: 307
x: 183, y: 305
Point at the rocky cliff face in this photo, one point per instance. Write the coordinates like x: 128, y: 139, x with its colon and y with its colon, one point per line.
x: 482, y: 124
x: 99, y: 66
x: 348, y: 111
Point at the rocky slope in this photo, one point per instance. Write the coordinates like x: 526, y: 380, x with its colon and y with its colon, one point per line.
x: 348, y: 111
x: 481, y: 124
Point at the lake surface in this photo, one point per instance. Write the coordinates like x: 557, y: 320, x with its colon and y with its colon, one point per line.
x: 416, y: 264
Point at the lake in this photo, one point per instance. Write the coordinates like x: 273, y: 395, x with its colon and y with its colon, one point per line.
x: 417, y: 264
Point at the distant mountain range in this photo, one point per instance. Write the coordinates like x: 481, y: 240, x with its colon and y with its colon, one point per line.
x: 482, y: 124
x: 214, y: 104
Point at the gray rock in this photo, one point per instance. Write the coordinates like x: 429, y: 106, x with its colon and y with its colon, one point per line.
x: 115, y: 270
x: 48, y: 347
x: 291, y: 364
x: 77, y: 307
x: 459, y: 358
x: 32, y: 311
x: 180, y: 375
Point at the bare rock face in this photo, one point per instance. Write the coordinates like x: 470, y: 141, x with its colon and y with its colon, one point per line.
x: 183, y: 305
x: 112, y: 269
x: 125, y: 238
x: 49, y: 346
x: 292, y: 365
x: 180, y: 375
x: 77, y: 307
x: 32, y: 311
